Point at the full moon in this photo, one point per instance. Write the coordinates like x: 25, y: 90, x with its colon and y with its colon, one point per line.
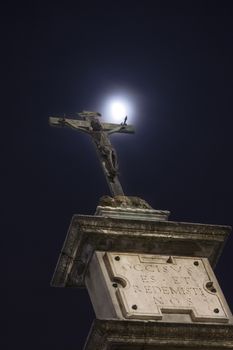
x: 116, y: 108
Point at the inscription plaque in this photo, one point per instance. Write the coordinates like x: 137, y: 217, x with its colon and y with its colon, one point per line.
x: 147, y: 286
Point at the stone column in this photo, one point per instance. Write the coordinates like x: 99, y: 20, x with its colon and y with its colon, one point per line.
x: 150, y: 280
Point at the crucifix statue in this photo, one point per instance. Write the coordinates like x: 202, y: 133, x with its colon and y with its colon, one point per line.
x: 99, y: 133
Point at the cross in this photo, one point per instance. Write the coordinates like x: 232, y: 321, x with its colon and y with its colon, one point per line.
x: 99, y: 133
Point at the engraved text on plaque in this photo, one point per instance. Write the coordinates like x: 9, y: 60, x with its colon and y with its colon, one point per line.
x: 149, y: 285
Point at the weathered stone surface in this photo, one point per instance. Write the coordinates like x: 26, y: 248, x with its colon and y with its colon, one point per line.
x: 144, y: 335
x: 155, y: 287
x: 124, y: 202
x: 129, y: 230
x: 131, y: 213
x: 90, y: 233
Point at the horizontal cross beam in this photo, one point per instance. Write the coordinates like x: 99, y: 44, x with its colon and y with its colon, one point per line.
x: 86, y: 125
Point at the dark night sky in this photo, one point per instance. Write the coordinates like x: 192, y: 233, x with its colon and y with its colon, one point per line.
x: 62, y: 58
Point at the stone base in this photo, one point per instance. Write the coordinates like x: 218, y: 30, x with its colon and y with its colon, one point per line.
x: 88, y: 234
x: 142, y: 335
x: 131, y: 213
x: 129, y: 207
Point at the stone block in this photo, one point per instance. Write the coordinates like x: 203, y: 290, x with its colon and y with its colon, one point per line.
x: 156, y: 288
x: 87, y: 234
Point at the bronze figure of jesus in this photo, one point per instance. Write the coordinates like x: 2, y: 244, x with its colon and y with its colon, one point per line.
x: 99, y: 133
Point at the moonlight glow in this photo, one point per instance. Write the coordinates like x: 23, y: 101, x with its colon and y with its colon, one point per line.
x: 118, y: 110
x: 115, y: 109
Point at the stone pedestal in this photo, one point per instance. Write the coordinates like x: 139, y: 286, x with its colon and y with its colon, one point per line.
x: 150, y: 280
